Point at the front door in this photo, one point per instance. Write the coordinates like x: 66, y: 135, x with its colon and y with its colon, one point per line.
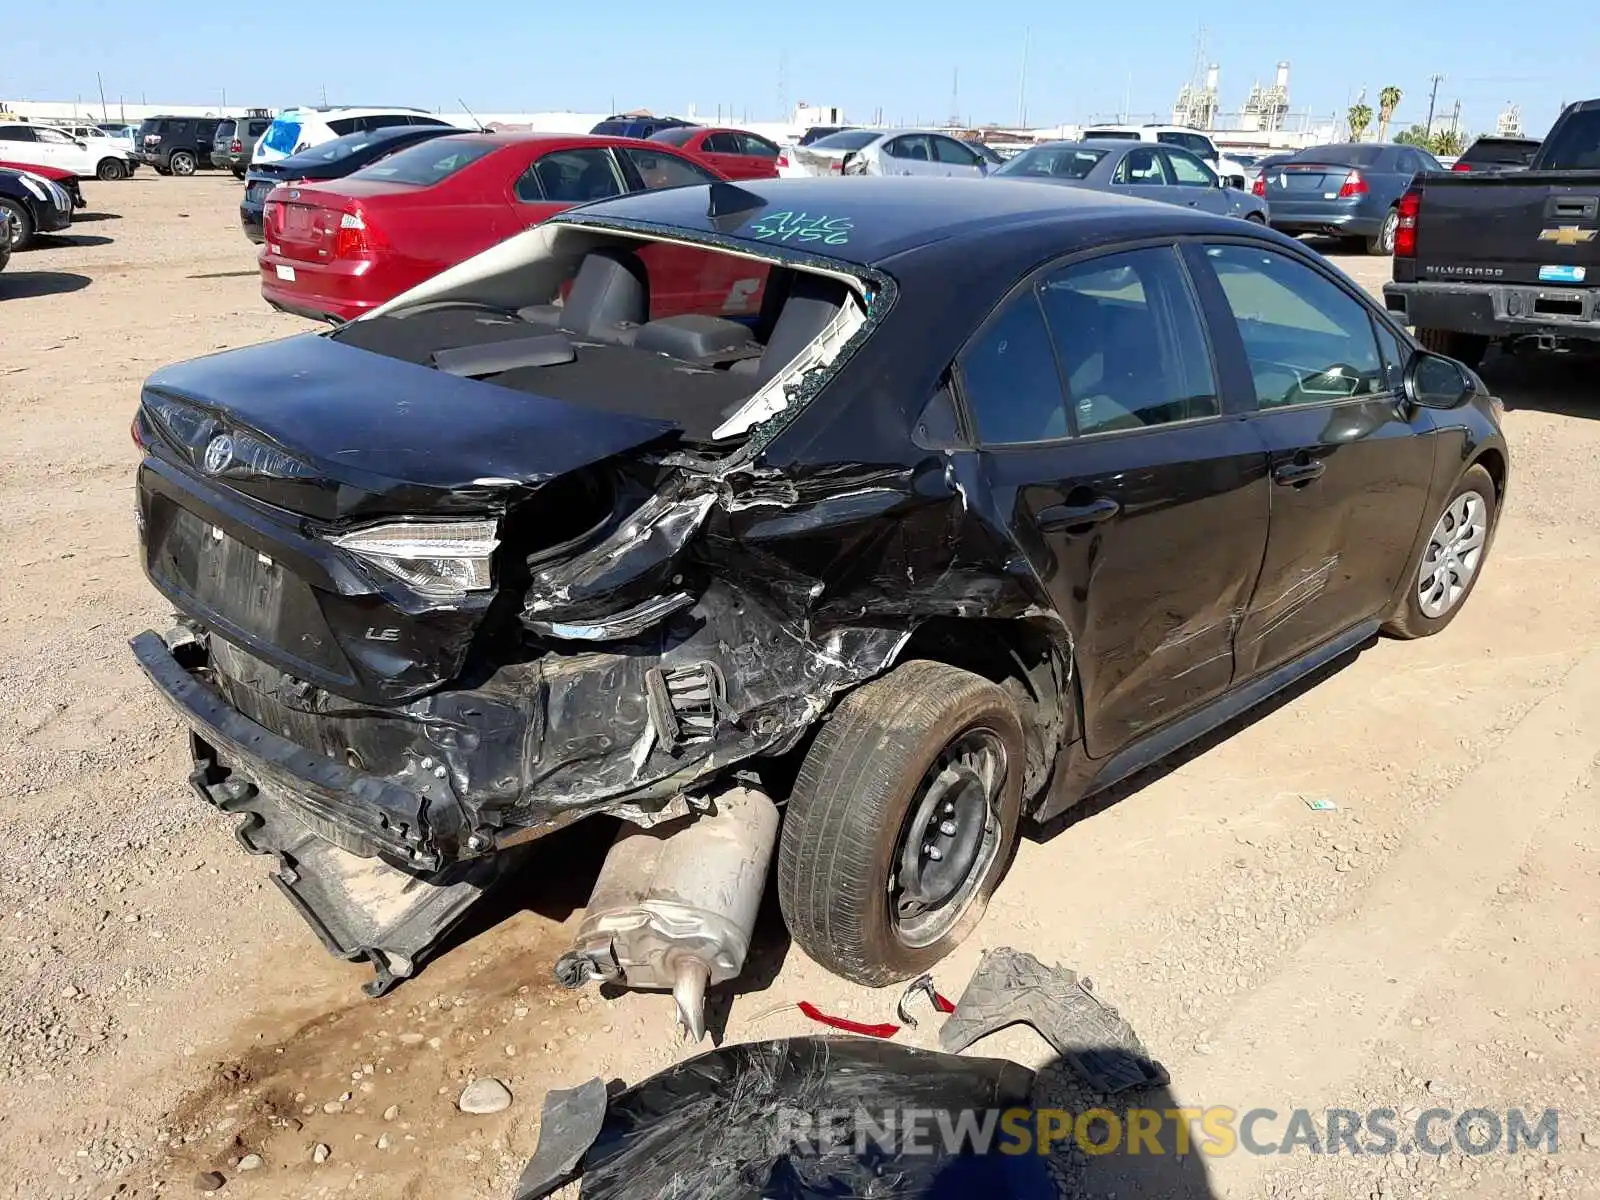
x: 955, y: 159
x: 1138, y: 504
x: 1143, y: 173
x: 909, y: 155
x: 1195, y: 183
x: 1350, y: 458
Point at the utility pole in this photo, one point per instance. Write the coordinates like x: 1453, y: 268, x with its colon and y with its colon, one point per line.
x: 783, y: 85
x: 955, y: 96
x: 99, y: 83
x: 1432, y: 96
x: 1022, y: 81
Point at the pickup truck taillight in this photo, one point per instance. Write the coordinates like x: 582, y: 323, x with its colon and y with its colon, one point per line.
x: 1405, y: 232
x: 1461, y: 166
x: 1354, y: 185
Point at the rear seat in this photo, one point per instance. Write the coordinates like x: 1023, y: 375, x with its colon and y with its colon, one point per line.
x: 609, y: 300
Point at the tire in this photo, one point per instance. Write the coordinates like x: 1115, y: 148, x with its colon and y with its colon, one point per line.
x: 111, y: 169
x: 21, y: 224
x: 182, y: 163
x: 163, y: 170
x: 1384, y: 242
x: 238, y: 174
x: 1411, y: 619
x: 870, y: 782
x: 1468, y: 348
x: 1256, y: 217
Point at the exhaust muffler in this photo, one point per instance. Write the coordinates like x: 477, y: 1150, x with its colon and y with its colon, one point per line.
x: 674, y: 908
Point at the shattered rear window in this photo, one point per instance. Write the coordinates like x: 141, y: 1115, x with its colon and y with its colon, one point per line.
x: 710, y: 341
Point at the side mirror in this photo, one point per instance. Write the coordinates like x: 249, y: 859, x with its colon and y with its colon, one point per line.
x: 1434, y: 381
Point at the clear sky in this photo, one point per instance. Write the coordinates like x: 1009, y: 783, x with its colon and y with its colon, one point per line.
x: 1084, y: 58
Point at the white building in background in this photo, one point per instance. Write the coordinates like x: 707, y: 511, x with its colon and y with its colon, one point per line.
x: 1509, y: 122
x: 1267, y: 108
x: 85, y: 113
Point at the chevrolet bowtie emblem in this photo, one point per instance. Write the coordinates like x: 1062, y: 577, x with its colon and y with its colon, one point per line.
x: 1566, y: 235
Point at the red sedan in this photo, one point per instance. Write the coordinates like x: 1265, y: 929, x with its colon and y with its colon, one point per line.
x: 737, y: 154
x: 337, y: 250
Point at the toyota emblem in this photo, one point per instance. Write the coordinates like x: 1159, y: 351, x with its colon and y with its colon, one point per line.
x: 219, y: 454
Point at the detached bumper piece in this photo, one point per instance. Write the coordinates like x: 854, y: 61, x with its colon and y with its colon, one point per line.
x: 337, y: 834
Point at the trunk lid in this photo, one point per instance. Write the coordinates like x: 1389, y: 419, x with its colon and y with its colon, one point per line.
x: 1306, y: 181
x: 305, y: 222
x: 1517, y: 227
x: 362, y: 433
x: 818, y: 162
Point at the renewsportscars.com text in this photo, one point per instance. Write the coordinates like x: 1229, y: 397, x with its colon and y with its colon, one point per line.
x: 1215, y: 1131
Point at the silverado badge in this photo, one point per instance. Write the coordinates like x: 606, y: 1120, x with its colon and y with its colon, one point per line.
x: 1566, y: 235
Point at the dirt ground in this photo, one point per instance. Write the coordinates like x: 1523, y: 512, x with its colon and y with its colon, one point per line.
x: 1431, y: 941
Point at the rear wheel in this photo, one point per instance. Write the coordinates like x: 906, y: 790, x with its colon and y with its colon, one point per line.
x: 21, y: 224
x: 163, y: 170
x: 111, y: 169
x: 902, y: 822
x: 1256, y: 217
x: 182, y: 163
x: 1452, y: 559
x: 1468, y: 348
x: 1384, y: 242
x: 238, y: 172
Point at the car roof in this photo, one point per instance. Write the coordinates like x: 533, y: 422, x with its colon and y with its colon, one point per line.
x: 883, y: 218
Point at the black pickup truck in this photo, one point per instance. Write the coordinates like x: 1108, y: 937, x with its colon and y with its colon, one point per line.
x: 1506, y: 256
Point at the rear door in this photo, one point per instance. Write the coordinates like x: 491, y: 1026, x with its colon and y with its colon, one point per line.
x: 1193, y: 181
x: 1350, y: 459
x: 1138, y: 501
x: 724, y: 152
x: 909, y: 155
x: 759, y: 155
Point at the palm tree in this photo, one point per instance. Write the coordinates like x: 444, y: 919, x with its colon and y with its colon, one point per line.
x: 1359, y: 116
x: 1388, y: 101
x: 1447, y: 142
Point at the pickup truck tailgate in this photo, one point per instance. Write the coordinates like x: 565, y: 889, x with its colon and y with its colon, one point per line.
x: 1519, y: 227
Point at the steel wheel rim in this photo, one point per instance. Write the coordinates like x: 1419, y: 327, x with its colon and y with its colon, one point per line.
x: 952, y: 834
x: 1455, y: 550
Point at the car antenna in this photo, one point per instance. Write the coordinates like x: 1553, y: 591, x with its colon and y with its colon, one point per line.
x: 726, y: 200
x: 482, y: 128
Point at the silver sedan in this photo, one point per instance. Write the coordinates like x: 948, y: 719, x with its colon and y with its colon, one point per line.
x: 1145, y: 169
x: 893, y: 152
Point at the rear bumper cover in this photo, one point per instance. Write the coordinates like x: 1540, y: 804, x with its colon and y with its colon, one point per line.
x: 1338, y: 224
x: 1497, y: 310
x: 335, y: 833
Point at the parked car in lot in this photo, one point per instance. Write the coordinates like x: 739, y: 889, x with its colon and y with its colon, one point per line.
x: 324, y: 163
x: 297, y: 129
x: 5, y: 238
x: 1497, y: 154
x: 1504, y: 257
x: 1350, y: 191
x: 889, y: 152
x: 1003, y: 494
x: 33, y: 205
x: 65, y: 180
x: 176, y: 145
x: 241, y: 146
x: 1232, y: 173
x: 116, y: 159
x: 733, y: 153
x: 637, y: 126
x: 44, y: 146
x: 337, y: 250
x: 1148, y: 172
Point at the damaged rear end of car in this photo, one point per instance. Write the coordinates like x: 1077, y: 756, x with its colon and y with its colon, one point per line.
x: 504, y: 554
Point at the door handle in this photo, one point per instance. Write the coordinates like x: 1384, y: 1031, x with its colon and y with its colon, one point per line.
x: 1298, y: 474
x: 1076, y: 518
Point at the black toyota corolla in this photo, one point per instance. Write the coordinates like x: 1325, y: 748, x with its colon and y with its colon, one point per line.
x: 1003, y: 494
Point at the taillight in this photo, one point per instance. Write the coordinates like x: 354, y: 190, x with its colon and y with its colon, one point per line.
x: 1461, y: 166
x: 235, y: 146
x: 138, y: 438
x: 1259, y: 187
x: 1354, y: 185
x: 783, y: 160
x: 355, y: 236
x: 271, y: 215
x: 1405, y: 231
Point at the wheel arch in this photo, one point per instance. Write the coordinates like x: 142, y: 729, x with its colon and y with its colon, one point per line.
x: 1032, y: 660
x: 1493, y: 460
